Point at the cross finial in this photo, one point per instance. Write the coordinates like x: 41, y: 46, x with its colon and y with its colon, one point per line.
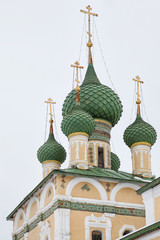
x: 89, y: 44
x: 77, y: 66
x: 50, y: 101
x: 137, y: 79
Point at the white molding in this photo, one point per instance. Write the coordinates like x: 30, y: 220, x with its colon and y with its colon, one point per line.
x: 98, y: 222
x: 26, y: 236
x: 156, y: 191
x: 20, y: 211
x: 149, y: 206
x: 126, y: 227
x: 43, y: 195
x: 100, y: 202
x: 119, y: 186
x: 45, y: 230
x: 32, y: 200
x: 94, y: 182
x: 62, y: 224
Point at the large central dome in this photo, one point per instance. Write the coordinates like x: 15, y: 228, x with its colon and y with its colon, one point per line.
x: 97, y: 99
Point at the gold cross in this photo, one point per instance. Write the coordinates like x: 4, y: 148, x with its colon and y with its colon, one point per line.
x: 138, y: 92
x: 50, y: 101
x: 77, y: 67
x: 89, y: 44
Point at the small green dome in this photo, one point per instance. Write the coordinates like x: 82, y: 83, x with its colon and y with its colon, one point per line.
x: 51, y: 150
x: 115, y: 162
x: 97, y: 99
x: 139, y: 131
x: 77, y: 120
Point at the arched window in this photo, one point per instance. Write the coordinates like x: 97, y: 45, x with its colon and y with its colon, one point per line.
x: 126, y: 232
x: 96, y: 235
x: 100, y: 157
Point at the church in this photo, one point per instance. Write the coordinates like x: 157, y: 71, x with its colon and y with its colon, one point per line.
x: 92, y: 199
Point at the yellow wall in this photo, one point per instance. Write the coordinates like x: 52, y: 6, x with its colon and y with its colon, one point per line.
x: 20, y: 220
x: 128, y: 195
x: 157, y: 208
x: 92, y: 193
x: 117, y: 223
x: 137, y: 160
x: 33, y: 210
x: 146, y: 160
x: 157, y: 238
x: 34, y: 234
x: 49, y: 196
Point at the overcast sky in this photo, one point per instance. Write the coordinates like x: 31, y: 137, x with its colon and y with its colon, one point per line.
x: 38, y: 42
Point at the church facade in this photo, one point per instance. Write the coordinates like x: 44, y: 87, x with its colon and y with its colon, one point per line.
x: 92, y: 199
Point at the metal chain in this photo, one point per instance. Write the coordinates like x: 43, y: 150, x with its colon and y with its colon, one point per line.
x: 73, y: 78
x: 93, y: 36
x: 143, y: 105
x: 55, y: 124
x: 46, y: 124
x: 103, y: 58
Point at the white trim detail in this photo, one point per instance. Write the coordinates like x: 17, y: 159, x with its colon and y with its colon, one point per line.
x: 126, y: 227
x: 119, y: 186
x: 45, y: 230
x: 62, y: 224
x: 77, y: 140
x: 32, y: 200
x: 148, y: 200
x: 43, y: 195
x: 94, y: 182
x: 98, y: 222
x: 26, y: 236
x: 20, y: 211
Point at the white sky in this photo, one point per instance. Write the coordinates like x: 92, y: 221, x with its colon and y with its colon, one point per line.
x: 38, y: 42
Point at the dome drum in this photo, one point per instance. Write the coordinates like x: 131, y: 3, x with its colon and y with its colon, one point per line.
x: 102, y: 131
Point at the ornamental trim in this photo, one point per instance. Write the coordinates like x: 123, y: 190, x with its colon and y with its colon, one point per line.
x: 79, y: 207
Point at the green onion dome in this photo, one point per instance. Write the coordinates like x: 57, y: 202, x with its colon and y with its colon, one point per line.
x: 115, y: 162
x: 51, y: 150
x: 97, y: 99
x: 77, y: 120
x: 139, y: 131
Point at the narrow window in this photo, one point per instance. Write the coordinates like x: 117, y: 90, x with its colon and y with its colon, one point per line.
x: 100, y: 157
x: 126, y: 232
x: 96, y: 235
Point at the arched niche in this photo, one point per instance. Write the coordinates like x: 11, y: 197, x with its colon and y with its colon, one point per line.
x: 86, y: 186
x: 126, y: 192
x: 32, y: 208
x: 47, y: 195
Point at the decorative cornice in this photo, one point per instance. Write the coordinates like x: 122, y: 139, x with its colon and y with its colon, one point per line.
x: 51, y: 161
x: 152, y: 184
x: 78, y: 133
x: 103, y: 121
x: 76, y: 206
x: 141, y: 143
